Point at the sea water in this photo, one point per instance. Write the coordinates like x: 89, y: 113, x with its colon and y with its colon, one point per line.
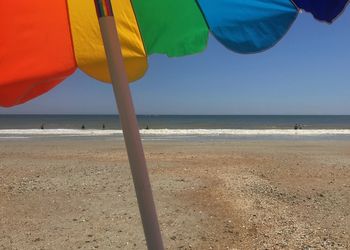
x: 172, y: 127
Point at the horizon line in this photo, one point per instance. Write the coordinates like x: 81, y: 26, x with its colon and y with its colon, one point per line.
x: 191, y: 114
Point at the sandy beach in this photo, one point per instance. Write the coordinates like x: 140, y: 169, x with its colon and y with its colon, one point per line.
x: 78, y: 194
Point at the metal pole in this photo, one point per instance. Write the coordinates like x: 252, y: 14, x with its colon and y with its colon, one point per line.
x: 130, y: 127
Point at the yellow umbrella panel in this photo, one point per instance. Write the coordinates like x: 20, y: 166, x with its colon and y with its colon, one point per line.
x: 88, y: 46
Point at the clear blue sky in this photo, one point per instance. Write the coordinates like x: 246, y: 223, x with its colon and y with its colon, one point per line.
x: 308, y: 72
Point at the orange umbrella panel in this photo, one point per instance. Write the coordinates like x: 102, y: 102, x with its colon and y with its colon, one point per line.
x: 36, y: 51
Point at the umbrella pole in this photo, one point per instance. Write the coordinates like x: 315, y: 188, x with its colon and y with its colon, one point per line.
x: 131, y: 131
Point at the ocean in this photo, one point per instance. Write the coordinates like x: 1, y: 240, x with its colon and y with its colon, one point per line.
x: 179, y: 126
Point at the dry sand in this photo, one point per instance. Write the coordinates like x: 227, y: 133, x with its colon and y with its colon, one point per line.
x: 63, y: 194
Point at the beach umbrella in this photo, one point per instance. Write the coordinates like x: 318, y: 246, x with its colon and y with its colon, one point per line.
x: 44, y: 42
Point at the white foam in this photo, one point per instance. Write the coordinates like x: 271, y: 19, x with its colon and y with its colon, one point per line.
x: 178, y: 132
x: 247, y: 132
x: 14, y: 137
x: 68, y: 132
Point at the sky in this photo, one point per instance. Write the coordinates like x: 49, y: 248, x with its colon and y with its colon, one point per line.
x: 306, y: 73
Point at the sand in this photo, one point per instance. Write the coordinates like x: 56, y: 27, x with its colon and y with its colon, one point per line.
x: 78, y: 194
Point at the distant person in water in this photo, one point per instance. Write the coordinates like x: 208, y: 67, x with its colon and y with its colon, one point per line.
x: 296, y: 126
x: 103, y: 126
x: 83, y: 126
x: 147, y: 127
x: 42, y: 126
x: 300, y: 126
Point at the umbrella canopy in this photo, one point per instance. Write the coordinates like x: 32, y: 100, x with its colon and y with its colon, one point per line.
x: 48, y: 40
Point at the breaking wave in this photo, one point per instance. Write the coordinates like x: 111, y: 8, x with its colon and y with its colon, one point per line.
x: 180, y: 132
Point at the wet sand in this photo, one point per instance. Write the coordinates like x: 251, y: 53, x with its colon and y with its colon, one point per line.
x: 65, y: 194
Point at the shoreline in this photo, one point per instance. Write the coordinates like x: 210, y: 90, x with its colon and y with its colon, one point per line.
x: 180, y: 134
